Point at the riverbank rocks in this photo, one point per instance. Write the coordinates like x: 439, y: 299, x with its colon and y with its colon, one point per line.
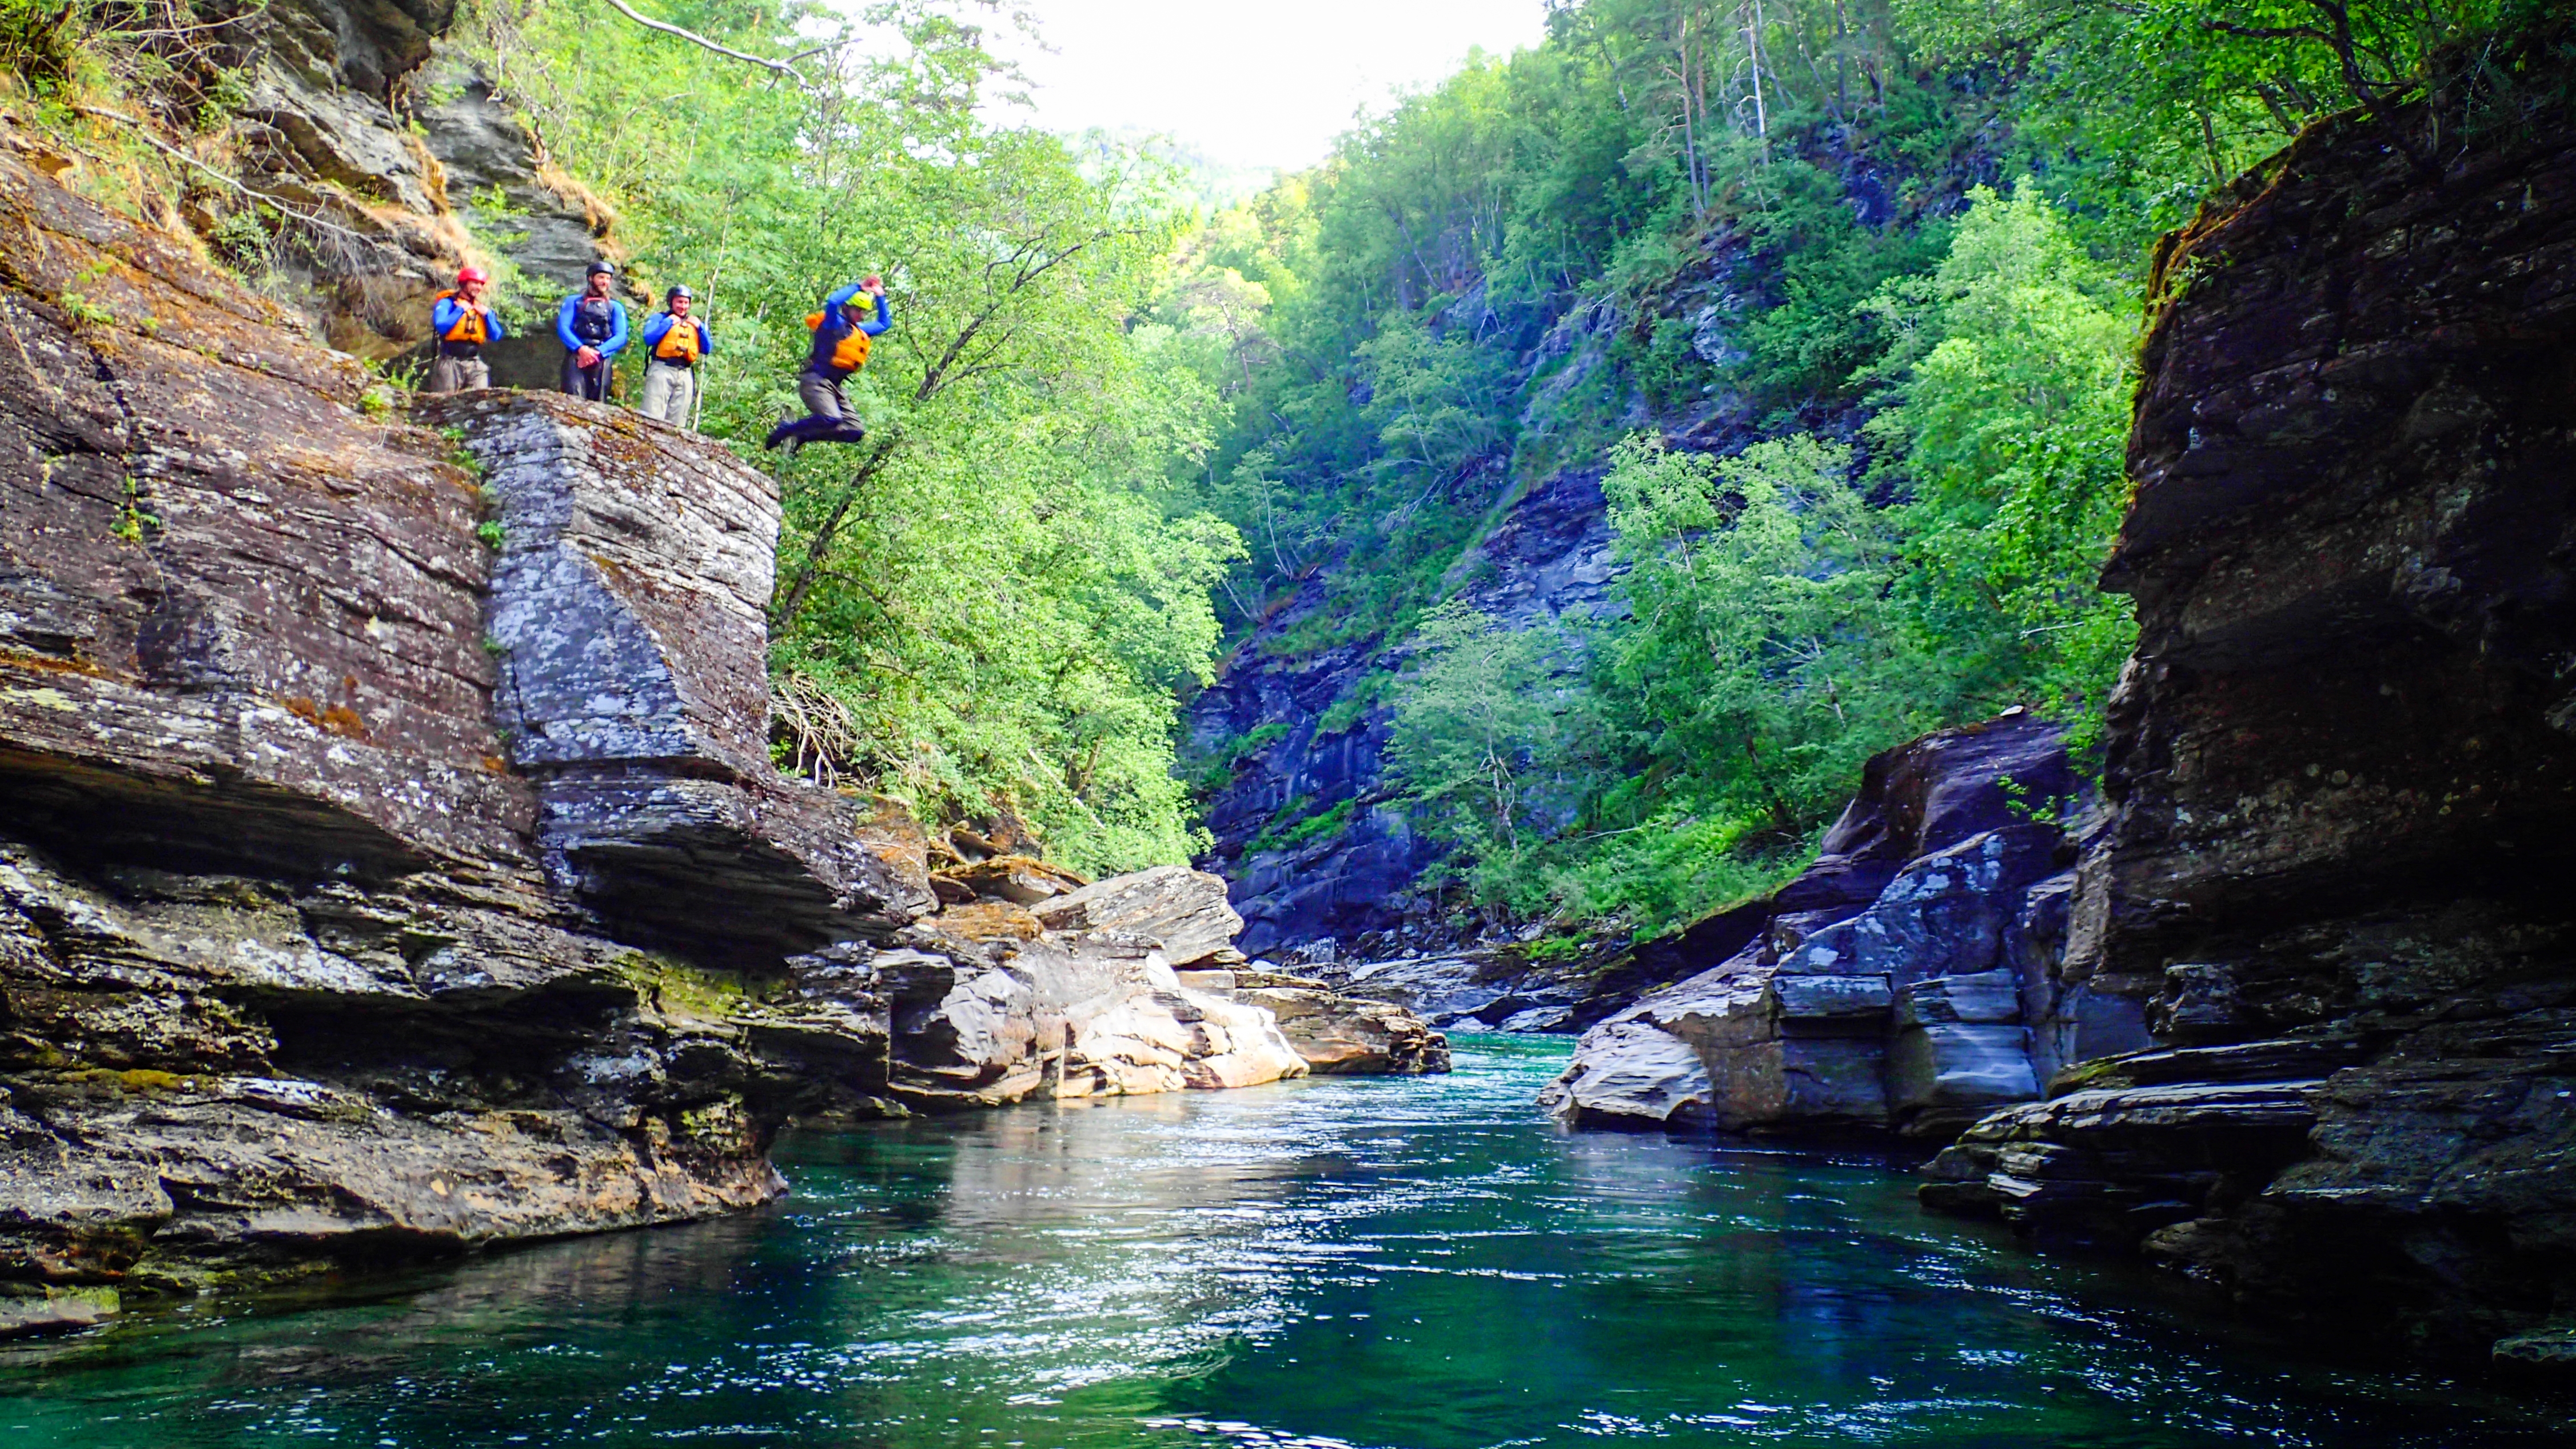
x: 298, y: 969
x: 1183, y: 912
x: 1891, y: 985
x: 1077, y: 995
x: 1341, y: 1035
x: 1482, y: 988
x: 2334, y: 875
x: 993, y: 1004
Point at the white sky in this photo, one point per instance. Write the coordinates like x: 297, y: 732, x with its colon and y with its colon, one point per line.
x: 1266, y: 85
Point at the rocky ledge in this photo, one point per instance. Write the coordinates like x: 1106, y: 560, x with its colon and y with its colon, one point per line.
x: 390, y: 857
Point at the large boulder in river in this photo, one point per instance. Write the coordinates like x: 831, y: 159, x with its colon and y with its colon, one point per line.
x: 2341, y: 767
x: 1889, y: 985
x: 991, y: 1004
x: 1183, y: 912
x: 1342, y: 1035
x: 1077, y: 995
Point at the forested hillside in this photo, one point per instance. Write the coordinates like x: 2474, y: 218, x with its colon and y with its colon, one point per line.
x: 1834, y: 304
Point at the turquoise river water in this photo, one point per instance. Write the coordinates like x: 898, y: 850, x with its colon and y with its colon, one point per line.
x: 1425, y: 1263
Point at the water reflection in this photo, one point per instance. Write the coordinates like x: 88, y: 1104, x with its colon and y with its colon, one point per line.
x: 1323, y: 1263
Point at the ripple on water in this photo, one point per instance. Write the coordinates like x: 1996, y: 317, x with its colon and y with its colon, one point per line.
x: 1329, y: 1264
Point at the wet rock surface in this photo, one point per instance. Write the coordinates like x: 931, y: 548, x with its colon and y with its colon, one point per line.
x: 2333, y: 877
x: 1893, y: 985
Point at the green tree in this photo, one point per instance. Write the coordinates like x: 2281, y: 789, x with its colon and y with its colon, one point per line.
x: 2008, y: 412
x: 1489, y: 744
x: 1762, y: 659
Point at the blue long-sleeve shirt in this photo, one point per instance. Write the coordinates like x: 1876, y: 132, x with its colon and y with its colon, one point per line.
x: 658, y: 326
x: 835, y: 328
x: 444, y: 316
x: 572, y: 341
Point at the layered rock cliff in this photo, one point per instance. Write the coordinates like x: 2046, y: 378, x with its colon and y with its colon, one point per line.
x: 2335, y: 872
x: 390, y: 856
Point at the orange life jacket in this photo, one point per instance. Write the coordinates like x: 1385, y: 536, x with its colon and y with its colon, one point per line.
x: 851, y: 352
x: 468, y: 328
x: 680, y: 344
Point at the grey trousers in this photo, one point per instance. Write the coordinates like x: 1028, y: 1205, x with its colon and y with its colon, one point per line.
x: 670, y: 393
x: 822, y: 396
x: 456, y: 374
x: 587, y: 382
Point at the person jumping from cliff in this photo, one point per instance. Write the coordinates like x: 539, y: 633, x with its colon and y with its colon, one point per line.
x: 591, y: 325
x: 463, y: 322
x: 674, y: 342
x: 843, y: 332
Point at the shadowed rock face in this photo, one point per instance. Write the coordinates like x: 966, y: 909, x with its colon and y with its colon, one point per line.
x: 2335, y: 872
x: 1895, y: 984
x: 359, y: 114
x: 1548, y: 555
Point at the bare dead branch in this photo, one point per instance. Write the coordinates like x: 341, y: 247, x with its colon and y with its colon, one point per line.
x: 779, y: 67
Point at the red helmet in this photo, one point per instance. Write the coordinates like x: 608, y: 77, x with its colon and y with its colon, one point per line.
x: 472, y: 274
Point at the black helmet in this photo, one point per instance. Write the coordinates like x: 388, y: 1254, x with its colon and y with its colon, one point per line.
x: 679, y: 291
x: 596, y: 268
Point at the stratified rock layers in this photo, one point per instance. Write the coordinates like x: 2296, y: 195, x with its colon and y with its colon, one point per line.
x: 2341, y: 769
x: 282, y: 977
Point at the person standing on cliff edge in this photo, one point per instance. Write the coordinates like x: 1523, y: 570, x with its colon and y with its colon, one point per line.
x: 843, y: 332
x: 591, y: 325
x: 674, y: 342
x: 463, y: 322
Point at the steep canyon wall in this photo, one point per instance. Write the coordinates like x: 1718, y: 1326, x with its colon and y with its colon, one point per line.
x: 2293, y: 1010
x: 2335, y: 873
